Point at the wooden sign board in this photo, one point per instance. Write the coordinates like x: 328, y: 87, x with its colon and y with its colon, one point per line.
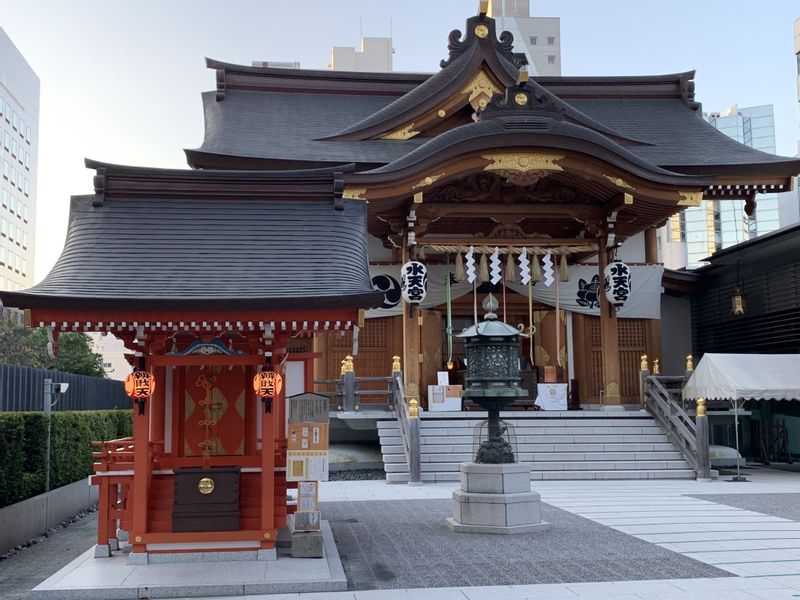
x: 307, y: 496
x: 308, y: 438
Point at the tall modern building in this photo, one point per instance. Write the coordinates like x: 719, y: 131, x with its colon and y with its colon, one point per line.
x: 538, y: 37
x: 374, y: 55
x: 19, y: 134
x: 700, y: 231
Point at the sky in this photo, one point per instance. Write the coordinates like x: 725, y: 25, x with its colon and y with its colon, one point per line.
x: 121, y: 80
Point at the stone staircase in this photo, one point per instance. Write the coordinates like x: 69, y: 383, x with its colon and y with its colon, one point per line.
x: 558, y: 445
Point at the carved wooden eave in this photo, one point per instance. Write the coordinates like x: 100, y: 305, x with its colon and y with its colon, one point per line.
x: 479, y: 66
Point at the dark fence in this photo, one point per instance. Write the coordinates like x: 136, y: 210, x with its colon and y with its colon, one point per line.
x: 21, y: 389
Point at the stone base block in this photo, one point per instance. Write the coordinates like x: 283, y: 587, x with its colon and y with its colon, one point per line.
x: 267, y: 554
x: 307, y: 544
x: 122, y: 536
x: 102, y: 551
x: 511, y: 478
x: 531, y: 528
x: 496, y: 510
x: 304, y: 521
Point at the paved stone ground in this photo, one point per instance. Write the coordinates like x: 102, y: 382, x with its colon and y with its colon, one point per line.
x: 29, y: 567
x: 786, y: 506
x: 405, y: 544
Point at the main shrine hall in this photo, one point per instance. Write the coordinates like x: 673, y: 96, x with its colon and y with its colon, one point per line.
x: 281, y: 248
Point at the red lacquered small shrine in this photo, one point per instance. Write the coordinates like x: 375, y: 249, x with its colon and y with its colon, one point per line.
x: 207, y: 275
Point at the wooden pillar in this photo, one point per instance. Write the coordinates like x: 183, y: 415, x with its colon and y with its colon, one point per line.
x: 141, y: 472
x: 653, y: 325
x: 610, y: 340
x: 412, y: 321
x: 269, y: 433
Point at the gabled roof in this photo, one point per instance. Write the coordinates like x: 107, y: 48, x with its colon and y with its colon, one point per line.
x: 159, y: 239
x: 275, y: 118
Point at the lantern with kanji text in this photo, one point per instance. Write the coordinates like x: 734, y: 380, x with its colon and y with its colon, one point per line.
x: 140, y: 385
x: 413, y: 282
x: 267, y: 385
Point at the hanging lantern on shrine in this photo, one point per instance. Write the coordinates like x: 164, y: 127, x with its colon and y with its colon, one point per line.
x: 140, y: 385
x: 617, y: 282
x: 737, y: 303
x: 267, y: 384
x: 413, y: 281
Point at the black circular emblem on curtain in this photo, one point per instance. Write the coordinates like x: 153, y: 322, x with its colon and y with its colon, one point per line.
x: 390, y: 288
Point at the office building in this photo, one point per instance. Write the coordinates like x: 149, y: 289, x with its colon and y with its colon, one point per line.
x: 700, y: 231
x: 538, y: 37
x: 19, y: 134
x: 374, y: 55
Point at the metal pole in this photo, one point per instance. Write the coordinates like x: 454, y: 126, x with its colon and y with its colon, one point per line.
x: 47, y: 409
x: 701, y: 441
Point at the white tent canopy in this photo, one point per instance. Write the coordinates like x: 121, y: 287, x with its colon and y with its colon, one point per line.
x: 745, y: 377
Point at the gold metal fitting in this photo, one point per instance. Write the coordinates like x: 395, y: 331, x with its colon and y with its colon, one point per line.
x: 656, y: 367
x: 344, y: 367
x: 483, y: 7
x: 522, y: 78
x: 347, y: 364
x: 701, y: 407
x: 413, y: 408
x: 689, y: 363
x: 205, y: 486
x: 357, y: 407
x: 266, y: 535
x: 643, y: 366
x: 395, y: 364
x: 138, y: 539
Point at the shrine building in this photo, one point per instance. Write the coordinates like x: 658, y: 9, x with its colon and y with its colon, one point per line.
x: 281, y: 248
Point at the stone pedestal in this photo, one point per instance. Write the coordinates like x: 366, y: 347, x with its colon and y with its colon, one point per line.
x: 496, y: 499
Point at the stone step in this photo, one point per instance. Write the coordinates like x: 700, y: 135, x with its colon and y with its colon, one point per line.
x: 535, y: 448
x: 559, y: 475
x: 454, y: 424
x: 582, y: 465
x: 658, y: 438
x: 554, y: 456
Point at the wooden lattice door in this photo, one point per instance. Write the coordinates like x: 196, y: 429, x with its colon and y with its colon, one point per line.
x: 632, y: 344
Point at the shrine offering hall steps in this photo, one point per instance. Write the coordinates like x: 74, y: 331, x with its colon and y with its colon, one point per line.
x: 557, y: 445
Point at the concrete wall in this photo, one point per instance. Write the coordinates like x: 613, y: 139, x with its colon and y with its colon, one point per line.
x: 676, y: 333
x: 30, y: 518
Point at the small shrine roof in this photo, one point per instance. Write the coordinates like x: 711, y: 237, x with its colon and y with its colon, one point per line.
x: 191, y: 243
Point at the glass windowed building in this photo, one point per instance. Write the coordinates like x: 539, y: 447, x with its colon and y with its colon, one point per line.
x: 715, y: 225
x: 19, y: 134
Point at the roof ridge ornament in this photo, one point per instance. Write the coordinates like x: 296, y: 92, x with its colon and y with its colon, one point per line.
x: 479, y: 29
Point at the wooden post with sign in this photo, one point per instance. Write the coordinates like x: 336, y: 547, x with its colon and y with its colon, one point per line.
x: 307, y: 463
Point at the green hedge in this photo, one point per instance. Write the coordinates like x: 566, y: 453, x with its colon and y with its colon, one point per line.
x: 23, y: 441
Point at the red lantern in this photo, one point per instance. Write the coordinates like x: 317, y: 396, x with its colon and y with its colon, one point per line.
x: 267, y: 384
x: 140, y: 385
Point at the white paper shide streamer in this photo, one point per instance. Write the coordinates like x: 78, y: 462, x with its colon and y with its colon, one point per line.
x: 524, y: 267
x: 547, y: 262
x: 495, y: 271
x: 469, y: 258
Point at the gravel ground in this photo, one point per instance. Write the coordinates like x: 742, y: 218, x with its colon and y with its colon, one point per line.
x: 28, y: 567
x: 786, y: 506
x: 405, y: 544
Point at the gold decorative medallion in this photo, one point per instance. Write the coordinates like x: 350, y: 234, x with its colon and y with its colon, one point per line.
x: 481, y: 89
x: 521, y: 99
x: 441, y: 113
x: 354, y: 193
x: 402, y: 133
x: 619, y: 182
x: 690, y: 198
x: 481, y: 31
x: 266, y: 535
x: 138, y: 539
x: 428, y: 181
x: 523, y: 162
x: 205, y: 486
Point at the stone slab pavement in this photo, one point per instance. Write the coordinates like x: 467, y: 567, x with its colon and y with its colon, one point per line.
x: 682, y: 517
